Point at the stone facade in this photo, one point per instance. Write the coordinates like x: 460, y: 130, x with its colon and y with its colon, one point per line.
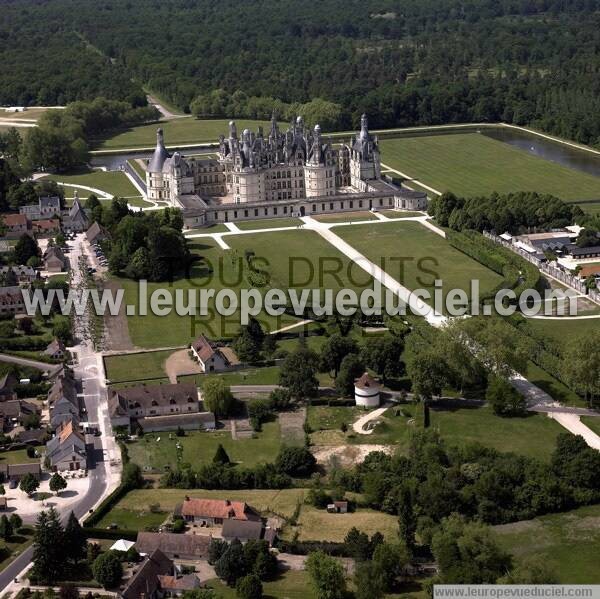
x: 295, y: 173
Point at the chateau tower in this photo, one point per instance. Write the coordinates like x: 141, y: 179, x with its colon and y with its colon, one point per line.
x: 365, y: 164
x: 154, y: 171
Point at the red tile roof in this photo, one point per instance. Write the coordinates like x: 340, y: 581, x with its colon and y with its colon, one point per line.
x: 203, y: 348
x: 218, y: 508
x: 12, y: 220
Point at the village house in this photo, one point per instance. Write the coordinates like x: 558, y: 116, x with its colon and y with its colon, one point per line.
x: 174, y: 546
x: 176, y: 586
x: 63, y: 402
x: 15, y: 472
x: 76, y: 221
x: 11, y: 300
x: 16, y: 412
x: 46, y: 227
x: 242, y: 530
x: 54, y: 259
x: 159, y: 408
x: 47, y: 207
x: 16, y: 225
x: 56, y: 349
x: 19, y: 274
x: 144, y: 582
x: 67, y: 450
x: 96, y: 233
x: 8, y: 382
x: 211, y: 512
x: 211, y: 357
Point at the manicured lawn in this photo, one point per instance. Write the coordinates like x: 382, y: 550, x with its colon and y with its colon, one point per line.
x: 282, y: 501
x: 569, y: 542
x: 593, y: 208
x: 268, y: 223
x: 314, y: 342
x: 533, y: 436
x: 400, y: 213
x: 471, y: 164
x: 157, y: 450
x: 17, y: 456
x: 267, y: 375
x: 345, y: 217
x: 134, y: 367
x: 179, y: 131
x: 138, y: 202
x: 292, y: 584
x: 133, y: 519
x: 220, y: 228
x: 566, y: 330
x: 416, y: 257
x: 298, y: 259
x: 113, y: 182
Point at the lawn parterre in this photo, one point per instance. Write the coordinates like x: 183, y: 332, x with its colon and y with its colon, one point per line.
x: 268, y: 223
x: 416, y: 257
x: 113, y: 182
x: 178, y: 131
x: 158, y: 450
x: 345, y: 217
x: 472, y: 164
x: 138, y: 366
x: 568, y: 542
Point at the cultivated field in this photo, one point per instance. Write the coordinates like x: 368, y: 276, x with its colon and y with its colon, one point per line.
x: 471, y: 164
x: 416, y: 257
x: 569, y: 542
x: 179, y: 131
x: 113, y: 182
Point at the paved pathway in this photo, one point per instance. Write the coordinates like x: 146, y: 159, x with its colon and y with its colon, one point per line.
x: 417, y: 305
x: 572, y: 422
x: 50, y: 368
x: 359, y: 425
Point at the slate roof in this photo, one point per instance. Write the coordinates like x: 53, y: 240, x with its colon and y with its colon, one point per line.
x: 194, y: 546
x: 144, y: 583
x: 242, y: 529
x: 146, y: 396
x: 160, y: 154
x: 366, y: 381
x: 55, y: 346
x: 96, y: 232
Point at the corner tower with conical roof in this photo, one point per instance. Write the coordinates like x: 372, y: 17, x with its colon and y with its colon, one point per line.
x: 154, y: 170
x: 365, y: 162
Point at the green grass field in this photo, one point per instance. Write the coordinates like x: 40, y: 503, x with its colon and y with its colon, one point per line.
x: 133, y: 367
x: 268, y: 223
x: 282, y: 501
x: 296, y: 259
x: 552, y: 386
x: 566, y: 330
x: 569, y: 542
x: 400, y: 213
x: 471, y: 164
x: 593, y: 208
x: 112, y: 182
x: 199, y: 448
x: 17, y: 456
x: 291, y: 584
x: 345, y: 217
x: 416, y: 257
x: 178, y: 131
x: 132, y: 519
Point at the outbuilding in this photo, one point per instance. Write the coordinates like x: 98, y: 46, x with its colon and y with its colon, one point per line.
x: 366, y: 391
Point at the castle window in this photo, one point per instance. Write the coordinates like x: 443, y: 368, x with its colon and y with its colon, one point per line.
x: 256, y: 212
x: 246, y: 213
x: 330, y: 205
x: 274, y: 209
x: 351, y: 204
x: 235, y: 214
x: 266, y: 212
x: 322, y: 206
x: 314, y: 207
x: 360, y: 203
x: 285, y: 209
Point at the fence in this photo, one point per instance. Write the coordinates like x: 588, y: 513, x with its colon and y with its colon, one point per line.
x: 555, y: 272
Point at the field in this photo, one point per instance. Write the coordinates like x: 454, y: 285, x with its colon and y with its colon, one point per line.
x: 291, y: 584
x: 112, y: 182
x: 566, y: 330
x: 133, y: 367
x: 281, y: 502
x: 569, y: 542
x: 268, y: 223
x: 296, y: 259
x: 416, y: 257
x: 345, y: 217
x: 156, y: 451
x: 471, y: 164
x: 178, y: 131
x: 16, y: 456
x: 593, y: 208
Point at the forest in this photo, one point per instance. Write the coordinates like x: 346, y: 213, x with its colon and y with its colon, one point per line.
x: 404, y: 62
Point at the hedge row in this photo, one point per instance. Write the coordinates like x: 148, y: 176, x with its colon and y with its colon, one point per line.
x: 114, y: 533
x: 306, y: 547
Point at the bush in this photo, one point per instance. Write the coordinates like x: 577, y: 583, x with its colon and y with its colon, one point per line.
x: 295, y: 461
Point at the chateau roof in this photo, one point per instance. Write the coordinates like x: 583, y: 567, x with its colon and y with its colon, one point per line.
x: 160, y: 154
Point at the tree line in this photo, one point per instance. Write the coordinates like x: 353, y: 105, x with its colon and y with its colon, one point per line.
x: 405, y: 63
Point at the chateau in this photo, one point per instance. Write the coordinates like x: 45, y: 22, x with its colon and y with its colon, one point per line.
x: 295, y: 173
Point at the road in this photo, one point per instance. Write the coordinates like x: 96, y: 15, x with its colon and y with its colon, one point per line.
x: 104, y: 461
x: 50, y: 368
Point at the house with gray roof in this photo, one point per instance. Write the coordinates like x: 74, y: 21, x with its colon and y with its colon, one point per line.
x: 63, y: 402
x: 67, y: 449
x: 76, y: 221
x: 144, y: 584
